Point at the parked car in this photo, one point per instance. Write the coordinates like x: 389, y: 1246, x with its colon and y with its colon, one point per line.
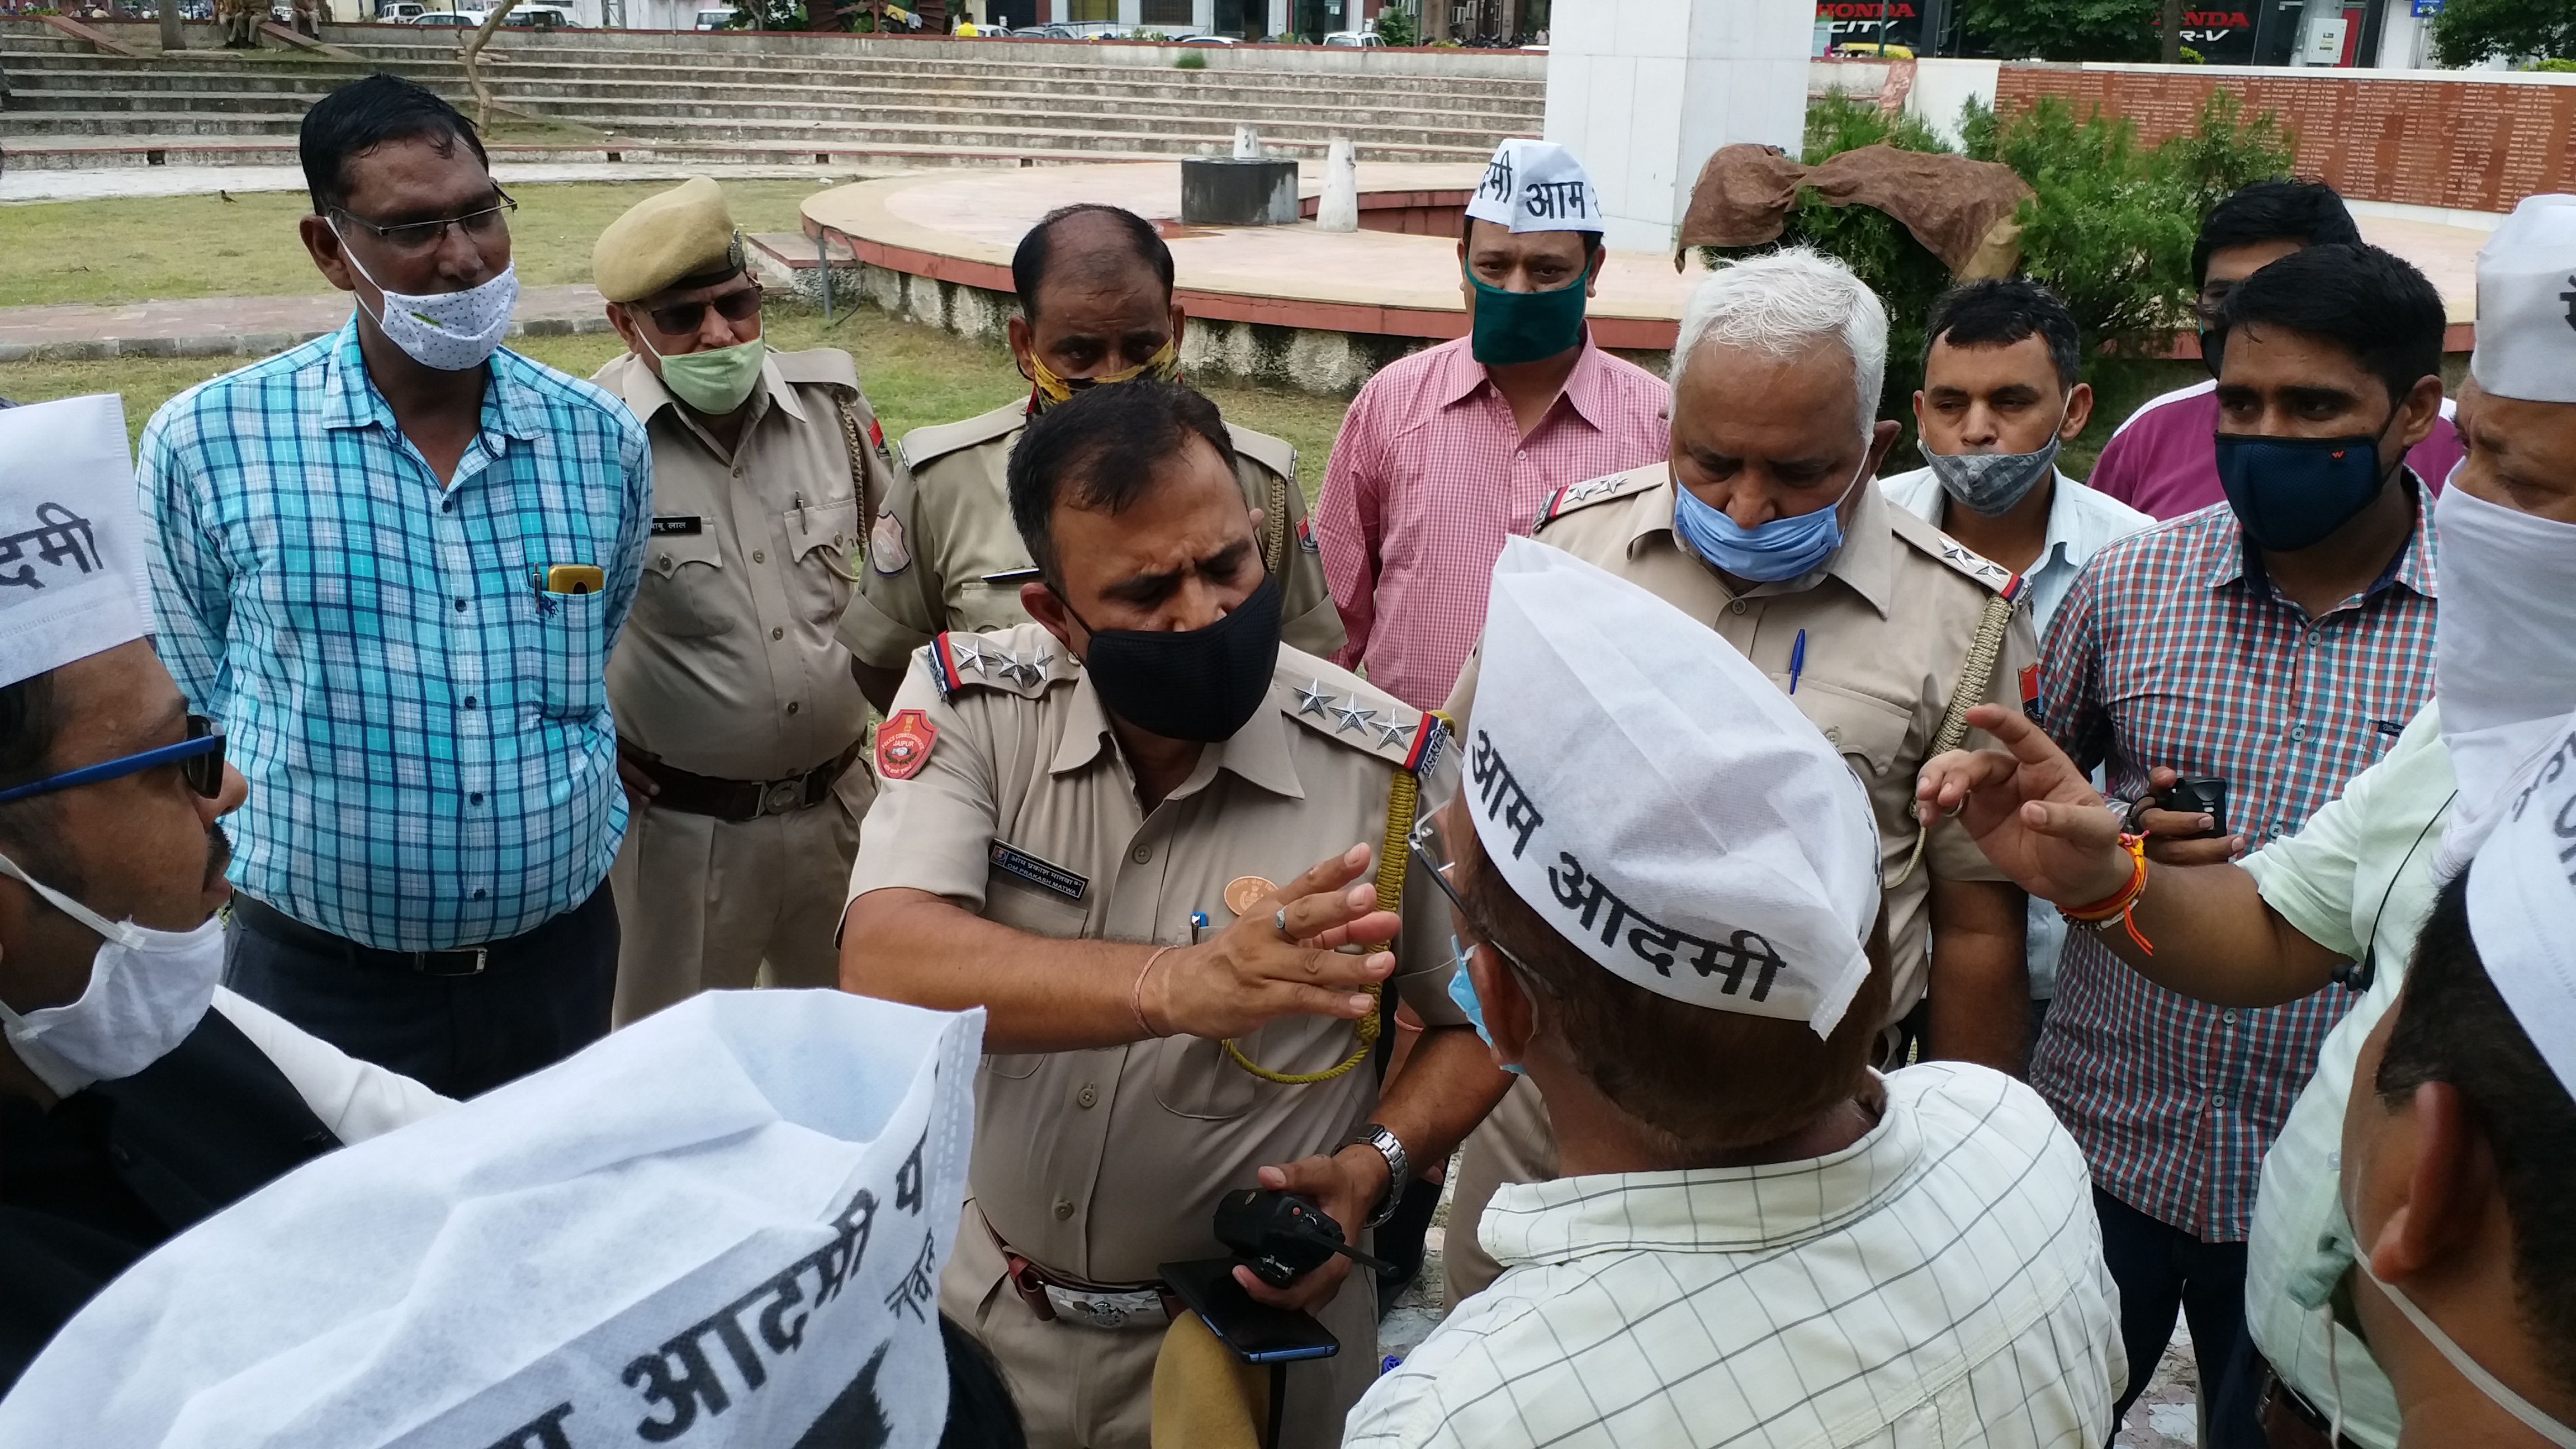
x: 540, y: 17
x: 1360, y: 38
x: 714, y: 19
x: 447, y: 19
x: 394, y: 12
x: 1209, y: 40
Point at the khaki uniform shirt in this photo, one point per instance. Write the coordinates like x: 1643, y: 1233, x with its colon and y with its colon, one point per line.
x: 944, y: 554
x: 730, y: 665
x: 1888, y: 621
x: 1102, y: 1164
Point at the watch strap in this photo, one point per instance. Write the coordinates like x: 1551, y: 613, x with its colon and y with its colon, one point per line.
x: 1399, y: 1169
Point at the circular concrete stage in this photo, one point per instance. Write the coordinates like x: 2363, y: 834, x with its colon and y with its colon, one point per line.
x: 1287, y: 304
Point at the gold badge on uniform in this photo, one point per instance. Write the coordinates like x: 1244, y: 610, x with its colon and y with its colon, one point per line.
x: 1246, y: 891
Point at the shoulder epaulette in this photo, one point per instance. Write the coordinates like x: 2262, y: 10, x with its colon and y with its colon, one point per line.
x: 1595, y: 490
x: 922, y: 445
x: 1993, y: 577
x: 1026, y: 661
x: 1275, y: 454
x: 1345, y: 710
x: 818, y: 367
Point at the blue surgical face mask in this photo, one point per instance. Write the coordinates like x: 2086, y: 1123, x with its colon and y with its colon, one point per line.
x: 1462, y: 990
x: 1774, y: 552
x: 2291, y: 493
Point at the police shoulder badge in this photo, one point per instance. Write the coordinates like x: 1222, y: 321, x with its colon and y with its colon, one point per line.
x: 903, y: 744
x: 887, y: 551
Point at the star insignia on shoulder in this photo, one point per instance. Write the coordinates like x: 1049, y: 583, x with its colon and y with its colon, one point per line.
x: 1394, y: 734
x: 967, y: 655
x: 1312, y: 699
x: 1591, y: 488
x: 1957, y: 554
x: 1028, y: 672
x: 1353, y: 717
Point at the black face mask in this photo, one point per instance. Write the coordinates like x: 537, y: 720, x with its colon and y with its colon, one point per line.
x: 1190, y: 684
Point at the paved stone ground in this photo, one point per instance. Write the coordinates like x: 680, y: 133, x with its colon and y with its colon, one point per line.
x: 2165, y: 1417
x: 239, y: 326
x: 86, y: 185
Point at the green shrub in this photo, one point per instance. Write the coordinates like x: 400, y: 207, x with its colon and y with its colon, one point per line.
x: 2556, y: 63
x: 1395, y: 26
x: 2110, y: 227
x: 2189, y: 56
x: 1191, y: 60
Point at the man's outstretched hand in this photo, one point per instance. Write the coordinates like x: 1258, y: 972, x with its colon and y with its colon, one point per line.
x: 2029, y: 809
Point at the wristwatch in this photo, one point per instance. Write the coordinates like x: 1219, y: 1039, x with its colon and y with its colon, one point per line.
x: 1399, y: 1168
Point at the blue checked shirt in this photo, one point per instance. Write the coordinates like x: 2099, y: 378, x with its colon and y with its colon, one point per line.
x: 426, y: 734
x: 2173, y: 649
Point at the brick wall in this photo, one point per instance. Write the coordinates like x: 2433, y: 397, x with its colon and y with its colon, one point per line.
x: 2478, y: 145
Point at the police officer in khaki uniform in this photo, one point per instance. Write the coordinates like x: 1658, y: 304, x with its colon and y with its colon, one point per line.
x: 1882, y: 629
x: 738, y: 718
x: 1095, y: 286
x: 1105, y: 829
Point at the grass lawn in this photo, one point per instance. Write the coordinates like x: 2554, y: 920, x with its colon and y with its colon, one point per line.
x: 914, y: 375
x: 128, y: 249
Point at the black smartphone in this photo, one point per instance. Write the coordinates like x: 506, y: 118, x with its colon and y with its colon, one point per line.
x: 1257, y: 1332
x: 2201, y: 795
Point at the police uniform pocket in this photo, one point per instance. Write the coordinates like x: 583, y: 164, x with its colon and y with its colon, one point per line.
x: 683, y: 594
x: 1869, y: 732
x: 824, y: 538
x: 1193, y: 1077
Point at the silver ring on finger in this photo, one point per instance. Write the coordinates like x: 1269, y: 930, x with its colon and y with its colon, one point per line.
x: 1279, y: 919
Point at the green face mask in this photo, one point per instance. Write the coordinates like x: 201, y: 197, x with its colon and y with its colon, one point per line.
x: 1526, y: 326
x: 717, y: 380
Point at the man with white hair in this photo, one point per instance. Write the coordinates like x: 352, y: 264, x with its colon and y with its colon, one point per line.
x: 1882, y: 630
x: 1665, y: 884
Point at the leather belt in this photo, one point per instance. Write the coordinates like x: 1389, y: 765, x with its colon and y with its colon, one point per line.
x: 2289, y: 1421
x: 738, y: 800
x: 1052, y: 1296
x: 268, y: 920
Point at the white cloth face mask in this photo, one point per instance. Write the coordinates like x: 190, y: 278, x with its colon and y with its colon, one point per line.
x: 147, y: 991
x: 2504, y: 659
x: 450, y: 331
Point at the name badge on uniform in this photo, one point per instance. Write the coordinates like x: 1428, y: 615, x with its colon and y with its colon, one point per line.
x: 666, y: 524
x: 1045, y: 875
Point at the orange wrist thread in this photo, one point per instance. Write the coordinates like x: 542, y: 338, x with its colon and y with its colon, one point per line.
x: 2120, y: 904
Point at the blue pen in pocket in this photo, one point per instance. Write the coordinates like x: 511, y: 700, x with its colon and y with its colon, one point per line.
x: 1797, y: 659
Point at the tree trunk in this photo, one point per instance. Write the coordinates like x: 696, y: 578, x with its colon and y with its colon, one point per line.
x: 474, y: 72
x: 2173, y: 32
x: 173, y: 38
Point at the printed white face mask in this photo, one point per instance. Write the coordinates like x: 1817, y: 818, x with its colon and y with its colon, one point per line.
x: 451, y: 331
x: 147, y: 990
x: 2504, y: 660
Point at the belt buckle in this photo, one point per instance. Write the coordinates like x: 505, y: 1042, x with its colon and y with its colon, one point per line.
x: 782, y: 796
x: 1099, y: 1308
x: 421, y: 961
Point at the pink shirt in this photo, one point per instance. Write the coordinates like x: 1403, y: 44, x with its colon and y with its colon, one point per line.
x: 1428, y: 477
x: 2162, y: 462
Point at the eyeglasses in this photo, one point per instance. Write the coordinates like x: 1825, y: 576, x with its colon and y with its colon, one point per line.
x: 1433, y: 851
x: 200, y: 758
x: 412, y: 238
x: 682, y: 317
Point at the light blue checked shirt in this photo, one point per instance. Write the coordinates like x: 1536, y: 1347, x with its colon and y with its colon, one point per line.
x: 426, y: 735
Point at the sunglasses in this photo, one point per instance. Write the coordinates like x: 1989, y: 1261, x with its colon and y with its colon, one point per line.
x: 683, y: 317
x: 200, y: 758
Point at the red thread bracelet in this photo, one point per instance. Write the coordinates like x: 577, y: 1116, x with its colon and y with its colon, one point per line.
x: 2120, y: 903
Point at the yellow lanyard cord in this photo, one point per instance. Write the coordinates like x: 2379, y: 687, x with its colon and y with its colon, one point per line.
x: 1401, y: 796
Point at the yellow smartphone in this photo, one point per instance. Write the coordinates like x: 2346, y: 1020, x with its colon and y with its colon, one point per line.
x: 571, y: 579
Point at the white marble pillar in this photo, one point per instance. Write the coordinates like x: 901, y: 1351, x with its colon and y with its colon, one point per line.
x: 1644, y: 90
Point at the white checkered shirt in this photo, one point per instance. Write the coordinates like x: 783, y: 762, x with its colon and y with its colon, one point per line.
x: 1939, y: 1282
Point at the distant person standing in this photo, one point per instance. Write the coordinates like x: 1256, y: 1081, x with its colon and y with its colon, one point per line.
x: 392, y: 562
x: 1446, y: 453
x: 2161, y: 460
x: 2000, y: 396
x: 739, y: 724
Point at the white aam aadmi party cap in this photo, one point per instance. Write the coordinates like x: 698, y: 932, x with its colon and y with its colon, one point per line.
x: 2522, y: 903
x: 723, y: 1225
x: 1658, y: 800
x: 2527, y: 304
x: 71, y: 566
x: 1536, y: 186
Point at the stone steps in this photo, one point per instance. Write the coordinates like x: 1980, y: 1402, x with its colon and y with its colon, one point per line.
x: 774, y: 100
